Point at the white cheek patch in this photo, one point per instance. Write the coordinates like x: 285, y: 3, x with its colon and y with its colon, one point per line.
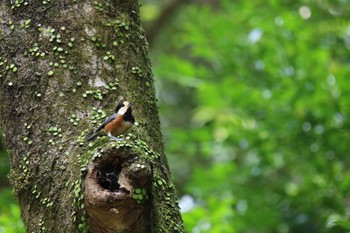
x: 122, y: 110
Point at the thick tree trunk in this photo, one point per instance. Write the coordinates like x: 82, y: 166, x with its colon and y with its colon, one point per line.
x: 64, y: 65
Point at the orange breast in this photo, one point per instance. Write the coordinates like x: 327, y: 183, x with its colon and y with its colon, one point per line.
x: 113, y: 126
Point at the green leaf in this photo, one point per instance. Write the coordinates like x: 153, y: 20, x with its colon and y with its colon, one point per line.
x: 344, y: 224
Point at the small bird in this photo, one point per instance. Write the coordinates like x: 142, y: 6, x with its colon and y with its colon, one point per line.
x: 116, y: 124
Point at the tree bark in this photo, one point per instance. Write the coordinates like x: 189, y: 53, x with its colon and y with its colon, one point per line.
x: 64, y: 65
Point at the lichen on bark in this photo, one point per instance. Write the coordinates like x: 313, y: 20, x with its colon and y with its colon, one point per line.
x: 64, y: 65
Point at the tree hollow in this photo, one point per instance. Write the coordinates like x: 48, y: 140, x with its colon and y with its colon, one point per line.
x: 110, y: 183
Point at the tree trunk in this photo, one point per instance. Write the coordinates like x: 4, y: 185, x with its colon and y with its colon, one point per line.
x: 64, y: 65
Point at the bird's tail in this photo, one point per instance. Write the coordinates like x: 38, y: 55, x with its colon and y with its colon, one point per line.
x: 92, y: 136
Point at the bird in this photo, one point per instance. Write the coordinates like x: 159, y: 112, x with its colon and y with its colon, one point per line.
x: 117, y: 123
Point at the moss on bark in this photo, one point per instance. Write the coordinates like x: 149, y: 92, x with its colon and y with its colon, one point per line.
x: 64, y: 65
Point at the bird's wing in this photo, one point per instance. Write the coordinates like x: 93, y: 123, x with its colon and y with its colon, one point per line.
x: 109, y: 119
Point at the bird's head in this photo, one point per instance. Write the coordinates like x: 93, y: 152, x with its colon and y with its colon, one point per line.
x: 123, y: 107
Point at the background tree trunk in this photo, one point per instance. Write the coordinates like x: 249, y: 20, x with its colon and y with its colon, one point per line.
x: 64, y: 65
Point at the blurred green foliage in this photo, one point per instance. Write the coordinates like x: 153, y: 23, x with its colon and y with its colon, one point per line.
x: 255, y: 106
x: 10, y: 221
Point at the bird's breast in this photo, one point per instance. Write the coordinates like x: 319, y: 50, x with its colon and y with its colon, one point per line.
x: 117, y: 126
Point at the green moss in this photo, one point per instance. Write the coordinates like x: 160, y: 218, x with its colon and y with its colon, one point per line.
x: 74, y: 119
x: 42, y: 226
x: 25, y: 24
x: 18, y: 3
x: 55, y: 135
x: 98, y: 6
x: 140, y: 195
x: 97, y: 40
x: 137, y: 71
x: 45, y: 2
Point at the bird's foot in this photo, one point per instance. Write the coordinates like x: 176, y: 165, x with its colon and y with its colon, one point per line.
x: 115, y: 138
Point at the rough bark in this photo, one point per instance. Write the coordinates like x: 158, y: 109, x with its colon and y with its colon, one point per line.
x: 64, y: 65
